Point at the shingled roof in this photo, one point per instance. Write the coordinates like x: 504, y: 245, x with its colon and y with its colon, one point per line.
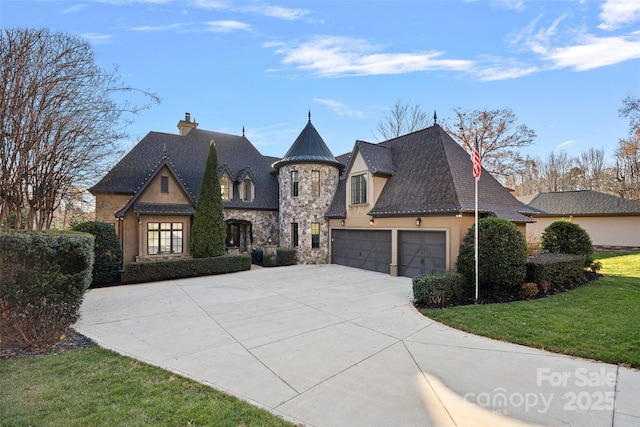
x: 188, y: 155
x: 430, y: 174
x: 308, y: 147
x: 581, y: 202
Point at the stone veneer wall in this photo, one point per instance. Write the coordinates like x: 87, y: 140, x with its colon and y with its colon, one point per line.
x: 306, y: 210
x: 265, y: 224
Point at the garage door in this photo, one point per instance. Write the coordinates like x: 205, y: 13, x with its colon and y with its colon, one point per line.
x: 366, y: 249
x: 422, y: 252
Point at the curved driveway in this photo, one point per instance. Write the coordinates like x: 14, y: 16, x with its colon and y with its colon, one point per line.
x: 327, y: 345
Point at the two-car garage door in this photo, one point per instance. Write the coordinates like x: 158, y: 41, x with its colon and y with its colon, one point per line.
x: 419, y: 252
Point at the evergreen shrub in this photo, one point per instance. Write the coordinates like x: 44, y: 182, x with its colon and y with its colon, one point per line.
x: 502, y: 256
x: 107, y: 252
x: 438, y: 289
x: 560, y: 271
x: 566, y: 237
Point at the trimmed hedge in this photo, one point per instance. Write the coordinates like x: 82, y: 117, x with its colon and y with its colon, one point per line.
x: 54, y: 266
x: 438, y: 289
x: 152, y: 271
x: 286, y: 256
x: 502, y: 256
x: 107, y: 253
x: 43, y: 278
x: 560, y: 271
x: 566, y: 237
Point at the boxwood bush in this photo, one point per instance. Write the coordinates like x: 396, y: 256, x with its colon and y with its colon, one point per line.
x: 152, y: 271
x: 43, y: 278
x: 107, y: 252
x: 566, y: 237
x: 560, y: 271
x: 438, y: 289
x: 502, y: 256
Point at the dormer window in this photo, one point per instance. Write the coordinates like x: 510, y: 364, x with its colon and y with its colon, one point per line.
x: 359, y: 189
x: 225, y: 188
x: 247, y: 193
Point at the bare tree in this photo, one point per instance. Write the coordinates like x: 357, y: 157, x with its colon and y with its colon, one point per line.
x: 591, y: 164
x: 58, y: 121
x: 499, y: 137
x: 631, y: 110
x: 558, y: 172
x: 627, y: 180
x: 401, y: 120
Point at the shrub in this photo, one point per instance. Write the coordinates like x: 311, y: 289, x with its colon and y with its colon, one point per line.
x: 271, y: 260
x: 286, y: 256
x: 566, y: 237
x: 438, y: 289
x: 43, y: 278
x: 529, y: 290
x: 107, y: 252
x: 257, y: 256
x: 560, y: 271
x: 502, y: 255
x: 153, y: 271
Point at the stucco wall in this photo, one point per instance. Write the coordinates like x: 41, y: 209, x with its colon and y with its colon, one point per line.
x: 306, y: 210
x: 604, y: 231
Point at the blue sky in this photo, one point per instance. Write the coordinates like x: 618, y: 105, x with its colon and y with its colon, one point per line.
x: 563, y: 67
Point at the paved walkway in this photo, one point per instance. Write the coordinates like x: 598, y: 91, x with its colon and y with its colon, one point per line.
x: 335, y: 346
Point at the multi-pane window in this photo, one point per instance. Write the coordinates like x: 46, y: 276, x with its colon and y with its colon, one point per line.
x: 294, y: 183
x: 294, y: 235
x: 164, y: 238
x: 247, y: 190
x: 164, y: 184
x: 224, y: 188
x: 315, y: 183
x: 358, y: 189
x: 315, y: 235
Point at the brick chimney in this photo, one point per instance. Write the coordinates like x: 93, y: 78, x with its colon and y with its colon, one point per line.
x: 184, y: 126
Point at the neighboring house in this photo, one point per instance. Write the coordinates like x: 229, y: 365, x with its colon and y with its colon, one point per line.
x: 610, y: 221
x: 402, y: 206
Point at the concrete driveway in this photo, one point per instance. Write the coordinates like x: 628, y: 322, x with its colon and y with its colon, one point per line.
x: 327, y: 345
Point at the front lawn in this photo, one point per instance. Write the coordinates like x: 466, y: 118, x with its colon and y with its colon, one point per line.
x: 93, y: 386
x: 600, y: 320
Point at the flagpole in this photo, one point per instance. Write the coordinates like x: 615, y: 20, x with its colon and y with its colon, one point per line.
x: 476, y: 239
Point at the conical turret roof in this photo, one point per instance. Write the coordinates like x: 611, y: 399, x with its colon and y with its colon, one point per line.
x: 308, y: 148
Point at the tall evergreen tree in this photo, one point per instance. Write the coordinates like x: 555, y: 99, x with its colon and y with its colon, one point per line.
x: 209, y: 230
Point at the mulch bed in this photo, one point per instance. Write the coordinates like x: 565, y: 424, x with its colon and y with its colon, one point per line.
x: 74, y: 340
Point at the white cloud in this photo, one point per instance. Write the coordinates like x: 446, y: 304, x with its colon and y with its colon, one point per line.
x: 74, y: 9
x: 96, y: 38
x: 616, y: 13
x: 227, y: 26
x: 594, y: 52
x: 334, y: 56
x: 339, y: 108
x: 517, y: 5
x: 504, y: 71
x: 565, y: 143
x: 279, y: 12
x: 150, y: 28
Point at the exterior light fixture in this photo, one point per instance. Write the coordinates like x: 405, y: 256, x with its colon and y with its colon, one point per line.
x: 269, y: 240
x: 418, y: 221
x: 459, y: 215
x: 342, y: 222
x: 371, y: 221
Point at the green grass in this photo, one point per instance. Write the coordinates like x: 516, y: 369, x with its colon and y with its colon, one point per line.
x: 600, y: 320
x: 98, y: 387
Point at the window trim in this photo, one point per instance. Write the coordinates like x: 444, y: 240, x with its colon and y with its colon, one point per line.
x: 226, y: 179
x: 315, y: 236
x: 164, y: 184
x: 175, y: 232
x: 295, y: 183
x: 247, y: 188
x: 359, y: 189
x: 315, y: 183
x: 295, y: 235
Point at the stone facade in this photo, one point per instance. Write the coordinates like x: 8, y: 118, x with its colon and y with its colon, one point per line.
x: 306, y: 210
x: 264, y: 225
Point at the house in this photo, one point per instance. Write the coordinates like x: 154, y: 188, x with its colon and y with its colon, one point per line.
x: 401, y: 206
x: 610, y: 221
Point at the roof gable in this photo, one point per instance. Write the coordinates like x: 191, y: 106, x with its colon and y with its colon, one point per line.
x: 188, y: 155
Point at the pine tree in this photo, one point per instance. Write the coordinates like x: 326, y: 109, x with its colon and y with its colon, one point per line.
x: 209, y: 230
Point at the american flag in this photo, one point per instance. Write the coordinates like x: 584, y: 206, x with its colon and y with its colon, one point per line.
x: 475, y: 160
